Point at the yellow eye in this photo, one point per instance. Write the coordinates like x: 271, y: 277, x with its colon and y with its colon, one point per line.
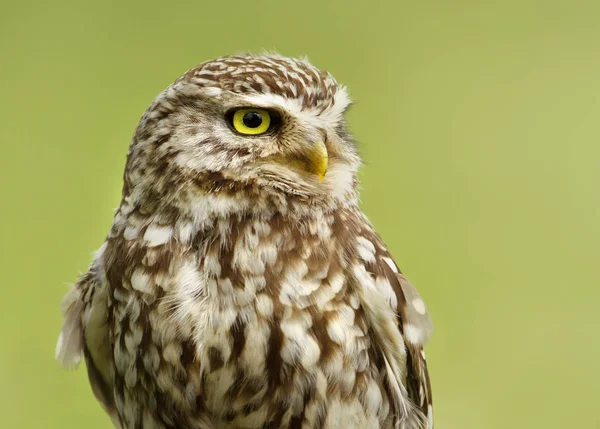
x: 251, y: 121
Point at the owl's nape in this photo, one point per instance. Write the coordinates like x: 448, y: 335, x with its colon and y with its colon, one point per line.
x: 240, y: 285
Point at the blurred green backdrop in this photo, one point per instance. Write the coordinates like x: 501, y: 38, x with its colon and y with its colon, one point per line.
x: 479, y: 124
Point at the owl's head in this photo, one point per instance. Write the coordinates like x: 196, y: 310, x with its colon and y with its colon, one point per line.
x: 257, y: 131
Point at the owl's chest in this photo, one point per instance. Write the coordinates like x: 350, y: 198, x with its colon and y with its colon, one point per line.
x: 286, y: 345
x: 273, y: 325
x: 250, y: 329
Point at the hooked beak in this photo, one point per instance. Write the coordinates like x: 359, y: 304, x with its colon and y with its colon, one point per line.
x: 317, y: 159
x: 312, y: 158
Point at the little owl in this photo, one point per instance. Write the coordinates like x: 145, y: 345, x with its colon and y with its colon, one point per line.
x: 240, y: 285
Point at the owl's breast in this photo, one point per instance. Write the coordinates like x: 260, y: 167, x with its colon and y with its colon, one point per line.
x: 280, y: 332
x: 257, y: 326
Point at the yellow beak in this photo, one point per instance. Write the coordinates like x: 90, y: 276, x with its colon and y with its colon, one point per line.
x: 317, y: 158
x: 312, y: 159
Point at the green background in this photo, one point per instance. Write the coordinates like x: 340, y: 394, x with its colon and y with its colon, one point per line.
x: 479, y: 124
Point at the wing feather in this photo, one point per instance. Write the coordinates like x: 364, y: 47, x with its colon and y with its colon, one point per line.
x: 413, y: 322
x: 85, y: 333
x: 69, y: 347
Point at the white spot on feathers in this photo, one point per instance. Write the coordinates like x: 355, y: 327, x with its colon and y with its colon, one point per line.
x: 390, y: 263
x: 141, y: 281
x: 366, y: 249
x: 189, y: 286
x: 383, y: 285
x: 419, y: 306
x: 157, y: 235
x: 299, y: 346
x: 185, y: 231
x: 264, y: 305
x: 311, y: 353
x: 212, y: 91
x: 413, y: 335
x: 131, y: 232
x: 253, y: 355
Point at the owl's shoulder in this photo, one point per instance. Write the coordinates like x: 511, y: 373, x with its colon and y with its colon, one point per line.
x: 383, y: 288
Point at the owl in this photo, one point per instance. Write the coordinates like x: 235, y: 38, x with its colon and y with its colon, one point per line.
x: 240, y: 285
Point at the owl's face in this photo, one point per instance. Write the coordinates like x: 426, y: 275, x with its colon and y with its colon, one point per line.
x: 253, y: 124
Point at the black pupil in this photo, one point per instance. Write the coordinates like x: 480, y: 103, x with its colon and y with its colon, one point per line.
x: 252, y: 119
